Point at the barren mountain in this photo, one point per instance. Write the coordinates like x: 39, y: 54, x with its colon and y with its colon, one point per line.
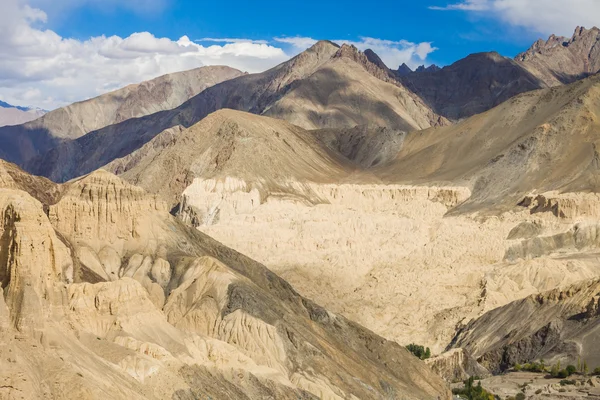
x: 481, y: 81
x: 13, y: 115
x: 20, y: 143
x: 562, y: 324
x: 480, y: 238
x: 265, y: 152
x: 560, y: 60
x: 298, y: 201
x: 540, y: 141
x: 471, y: 85
x: 364, y: 145
x: 106, y: 295
x: 325, y: 86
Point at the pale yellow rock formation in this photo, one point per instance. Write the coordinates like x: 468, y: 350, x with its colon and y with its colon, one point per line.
x: 105, y: 294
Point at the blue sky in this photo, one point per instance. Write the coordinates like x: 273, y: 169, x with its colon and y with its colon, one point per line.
x: 454, y: 33
x: 54, y: 52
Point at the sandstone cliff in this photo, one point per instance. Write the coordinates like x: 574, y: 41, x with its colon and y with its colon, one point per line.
x: 107, y: 294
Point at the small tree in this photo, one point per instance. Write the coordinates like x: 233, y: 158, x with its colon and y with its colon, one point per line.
x: 555, y: 369
x: 571, y: 369
x: 419, y: 351
x: 585, y: 368
x: 562, y: 374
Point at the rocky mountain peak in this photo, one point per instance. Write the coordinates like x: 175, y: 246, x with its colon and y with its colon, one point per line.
x: 368, y: 60
x: 323, y: 46
x: 560, y: 60
x: 404, y: 70
x: 585, y: 38
x: 431, y: 68
x: 375, y: 59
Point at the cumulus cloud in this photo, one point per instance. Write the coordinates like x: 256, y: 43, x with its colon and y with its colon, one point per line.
x: 41, y: 68
x: 541, y: 16
x: 297, y: 42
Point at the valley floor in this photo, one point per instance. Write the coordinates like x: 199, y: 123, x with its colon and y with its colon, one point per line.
x: 391, y: 258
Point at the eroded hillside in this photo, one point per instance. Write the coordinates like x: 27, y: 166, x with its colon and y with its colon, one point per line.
x: 107, y: 295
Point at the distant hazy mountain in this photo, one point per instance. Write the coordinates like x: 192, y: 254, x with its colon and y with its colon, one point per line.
x: 14, y: 115
x: 19, y: 143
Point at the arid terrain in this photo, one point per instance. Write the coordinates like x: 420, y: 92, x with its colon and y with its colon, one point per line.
x: 288, y: 234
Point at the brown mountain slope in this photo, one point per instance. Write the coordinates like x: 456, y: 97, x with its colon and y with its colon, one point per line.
x: 106, y: 295
x: 560, y: 60
x: 349, y: 90
x: 539, y: 141
x: 367, y: 146
x: 562, y: 324
x: 264, y: 151
x: 324, y: 86
x: 472, y: 85
x: 481, y: 81
x: 20, y: 143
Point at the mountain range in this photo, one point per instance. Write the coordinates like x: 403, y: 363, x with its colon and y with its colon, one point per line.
x: 288, y: 234
x: 15, y: 115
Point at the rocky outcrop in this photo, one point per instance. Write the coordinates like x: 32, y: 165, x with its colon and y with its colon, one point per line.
x: 560, y: 60
x: 102, y: 207
x: 457, y: 365
x: 582, y: 236
x: 564, y: 205
x: 557, y: 325
x: 34, y: 262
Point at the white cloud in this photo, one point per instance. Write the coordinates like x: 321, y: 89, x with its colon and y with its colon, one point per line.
x: 297, y: 42
x: 39, y: 67
x: 395, y: 53
x: 541, y: 16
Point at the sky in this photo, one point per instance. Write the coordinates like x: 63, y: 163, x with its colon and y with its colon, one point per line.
x: 55, y: 52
